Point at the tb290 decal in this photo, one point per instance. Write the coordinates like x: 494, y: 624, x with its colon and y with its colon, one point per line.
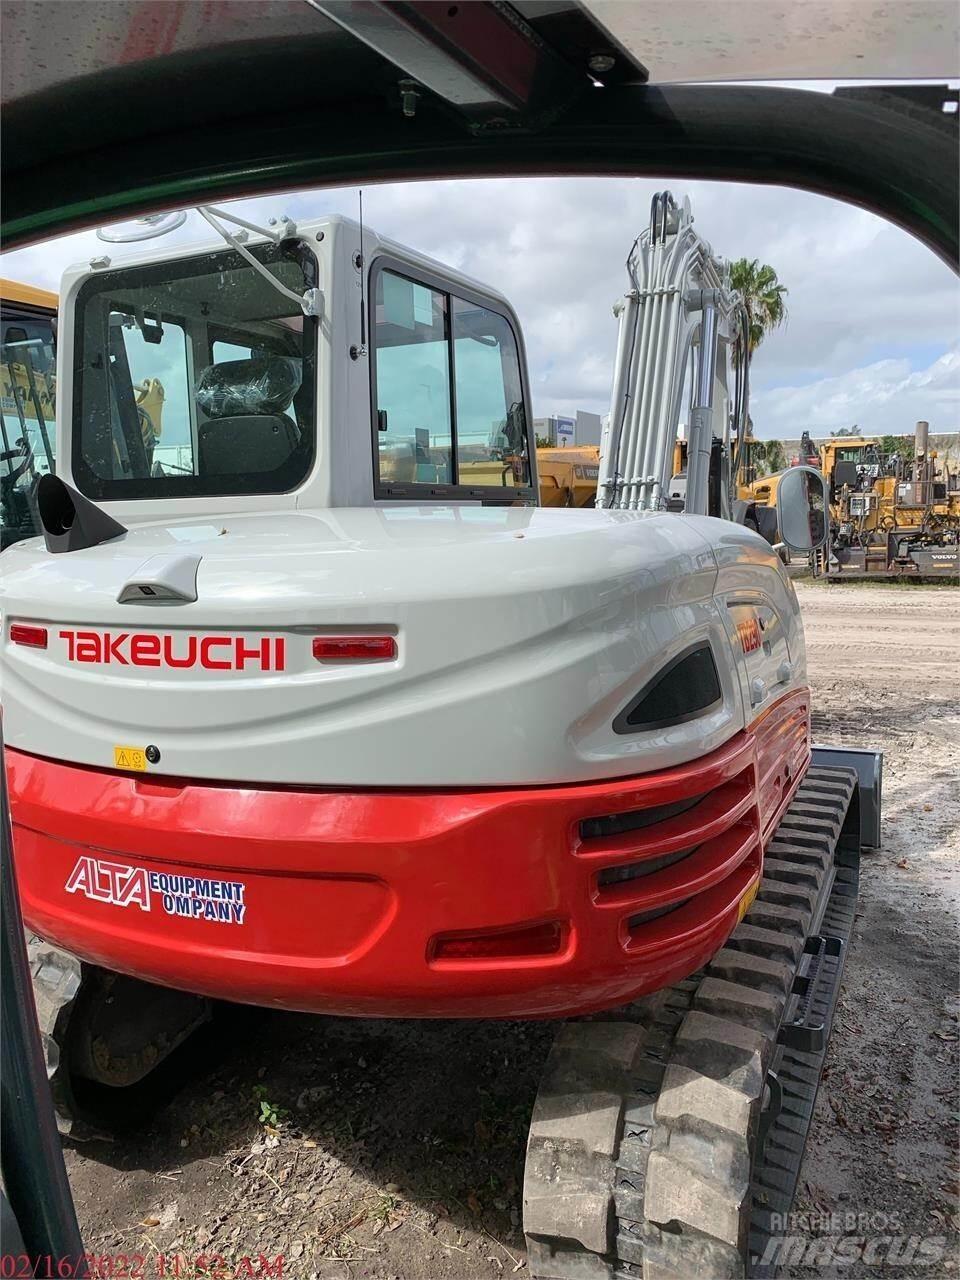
x: 195, y: 897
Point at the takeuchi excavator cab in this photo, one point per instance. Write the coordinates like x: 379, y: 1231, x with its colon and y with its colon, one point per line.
x: 396, y: 380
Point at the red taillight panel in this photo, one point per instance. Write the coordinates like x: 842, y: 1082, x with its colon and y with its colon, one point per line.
x: 354, y: 648
x: 34, y: 637
x: 527, y: 942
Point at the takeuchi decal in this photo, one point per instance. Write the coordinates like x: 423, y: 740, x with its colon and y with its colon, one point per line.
x: 748, y: 632
x: 146, y: 649
x: 194, y: 897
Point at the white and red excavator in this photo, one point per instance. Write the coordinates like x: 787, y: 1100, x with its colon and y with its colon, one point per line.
x: 308, y: 704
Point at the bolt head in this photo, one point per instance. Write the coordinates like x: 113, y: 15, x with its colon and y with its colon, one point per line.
x: 601, y: 62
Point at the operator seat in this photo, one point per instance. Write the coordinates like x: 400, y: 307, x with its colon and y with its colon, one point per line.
x: 247, y: 429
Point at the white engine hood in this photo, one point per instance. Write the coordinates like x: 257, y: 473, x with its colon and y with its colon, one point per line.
x: 521, y: 633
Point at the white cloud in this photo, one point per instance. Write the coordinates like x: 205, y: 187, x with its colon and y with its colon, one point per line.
x: 886, y: 397
x: 871, y: 311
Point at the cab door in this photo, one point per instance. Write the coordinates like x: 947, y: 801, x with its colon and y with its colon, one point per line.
x: 762, y: 648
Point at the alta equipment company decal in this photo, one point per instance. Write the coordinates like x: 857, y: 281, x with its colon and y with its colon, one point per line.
x: 195, y: 897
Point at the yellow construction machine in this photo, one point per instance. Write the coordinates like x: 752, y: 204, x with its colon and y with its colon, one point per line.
x: 28, y: 387
x: 568, y: 476
x: 28, y: 394
x: 890, y: 516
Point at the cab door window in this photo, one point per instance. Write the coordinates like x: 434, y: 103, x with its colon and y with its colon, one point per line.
x: 448, y: 391
x: 491, y: 429
x: 414, y: 432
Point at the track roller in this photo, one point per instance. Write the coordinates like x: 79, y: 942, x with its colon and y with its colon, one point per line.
x: 665, y: 1133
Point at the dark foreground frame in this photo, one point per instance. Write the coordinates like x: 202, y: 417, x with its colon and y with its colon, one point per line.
x: 292, y: 97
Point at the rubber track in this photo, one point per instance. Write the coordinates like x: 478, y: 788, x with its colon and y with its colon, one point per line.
x: 776, y: 1168
x: 643, y: 1139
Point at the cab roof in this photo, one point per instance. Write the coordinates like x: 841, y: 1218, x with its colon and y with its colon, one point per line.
x: 164, y: 250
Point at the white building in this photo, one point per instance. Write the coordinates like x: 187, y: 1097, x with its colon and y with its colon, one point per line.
x: 582, y: 429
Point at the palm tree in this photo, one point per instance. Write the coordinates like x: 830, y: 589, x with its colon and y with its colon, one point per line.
x: 763, y: 295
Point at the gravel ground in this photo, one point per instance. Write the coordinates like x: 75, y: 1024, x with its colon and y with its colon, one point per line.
x: 397, y: 1148
x: 884, y: 663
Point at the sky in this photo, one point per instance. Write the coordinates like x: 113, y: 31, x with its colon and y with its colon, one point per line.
x: 872, y: 335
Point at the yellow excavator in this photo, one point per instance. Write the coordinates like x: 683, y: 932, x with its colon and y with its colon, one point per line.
x: 28, y: 394
x: 28, y: 387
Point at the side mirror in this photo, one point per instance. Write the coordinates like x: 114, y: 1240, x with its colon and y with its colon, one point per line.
x: 70, y: 522
x: 802, y: 509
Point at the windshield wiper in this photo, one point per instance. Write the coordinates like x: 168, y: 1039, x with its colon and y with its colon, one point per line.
x: 310, y: 301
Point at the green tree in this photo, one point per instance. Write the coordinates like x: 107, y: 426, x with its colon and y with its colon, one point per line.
x: 776, y: 458
x: 768, y: 456
x: 904, y: 445
x: 763, y: 295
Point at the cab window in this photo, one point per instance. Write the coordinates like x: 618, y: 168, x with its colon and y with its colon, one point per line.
x: 159, y: 379
x: 413, y: 383
x: 491, y: 431
x: 28, y: 382
x: 449, y: 407
x: 195, y: 377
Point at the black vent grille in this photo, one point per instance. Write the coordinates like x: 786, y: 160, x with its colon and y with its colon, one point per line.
x: 615, y: 824
x: 636, y: 870
x: 687, y: 687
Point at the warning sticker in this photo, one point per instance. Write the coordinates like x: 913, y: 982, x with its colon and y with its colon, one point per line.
x: 747, y: 900
x: 130, y: 758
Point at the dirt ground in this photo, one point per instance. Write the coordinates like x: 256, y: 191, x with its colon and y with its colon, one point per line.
x: 396, y: 1149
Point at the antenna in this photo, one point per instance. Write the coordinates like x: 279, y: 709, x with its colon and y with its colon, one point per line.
x: 358, y: 262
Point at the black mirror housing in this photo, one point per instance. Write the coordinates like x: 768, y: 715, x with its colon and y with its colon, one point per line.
x: 70, y: 521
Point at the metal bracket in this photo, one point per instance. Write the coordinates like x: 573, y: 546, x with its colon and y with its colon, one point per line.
x: 869, y: 768
x: 483, y: 60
